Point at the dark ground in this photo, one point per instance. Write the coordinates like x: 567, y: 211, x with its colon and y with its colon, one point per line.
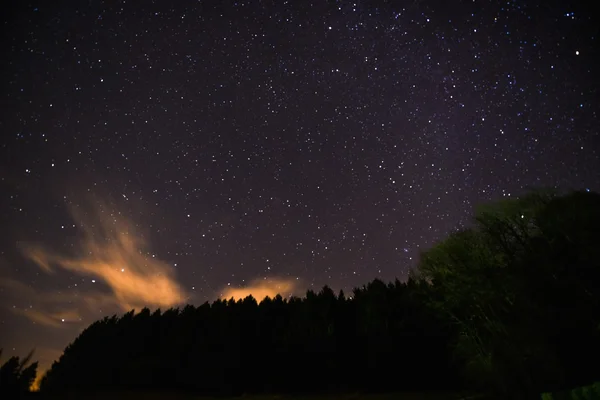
x: 179, y: 396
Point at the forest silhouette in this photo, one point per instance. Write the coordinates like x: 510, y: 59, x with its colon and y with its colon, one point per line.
x: 508, y: 306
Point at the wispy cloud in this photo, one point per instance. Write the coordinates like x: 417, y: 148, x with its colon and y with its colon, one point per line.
x: 259, y: 289
x: 39, y: 317
x: 54, y: 309
x: 113, y: 251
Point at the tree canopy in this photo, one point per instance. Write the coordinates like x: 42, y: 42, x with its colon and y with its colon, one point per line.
x: 522, y: 287
x: 511, y: 305
x: 380, y: 338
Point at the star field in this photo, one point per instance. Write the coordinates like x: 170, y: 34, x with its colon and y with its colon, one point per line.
x: 287, y: 143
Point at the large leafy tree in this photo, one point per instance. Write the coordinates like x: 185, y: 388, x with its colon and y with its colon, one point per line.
x: 523, y: 287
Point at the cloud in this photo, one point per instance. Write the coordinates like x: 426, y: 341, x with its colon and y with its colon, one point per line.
x: 112, y: 251
x: 259, y: 289
x: 52, y: 319
x: 55, y: 309
x: 45, y: 357
x: 39, y: 317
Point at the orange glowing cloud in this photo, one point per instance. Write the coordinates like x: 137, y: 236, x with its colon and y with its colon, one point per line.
x: 115, y: 254
x: 39, y: 317
x: 45, y: 357
x: 47, y: 308
x: 259, y: 289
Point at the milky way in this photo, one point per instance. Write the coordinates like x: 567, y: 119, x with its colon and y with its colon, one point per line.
x: 161, y: 154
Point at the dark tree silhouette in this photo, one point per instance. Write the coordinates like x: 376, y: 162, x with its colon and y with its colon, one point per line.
x: 511, y: 304
x: 17, y: 376
x: 384, y: 338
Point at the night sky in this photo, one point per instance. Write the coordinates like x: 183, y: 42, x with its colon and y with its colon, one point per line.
x: 154, y: 154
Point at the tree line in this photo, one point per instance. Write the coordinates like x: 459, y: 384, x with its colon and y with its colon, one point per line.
x: 510, y: 305
x: 322, y: 342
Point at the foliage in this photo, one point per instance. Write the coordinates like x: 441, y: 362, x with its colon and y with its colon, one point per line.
x: 523, y: 288
x: 380, y: 338
x: 16, y: 376
x: 589, y: 392
x: 512, y: 303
